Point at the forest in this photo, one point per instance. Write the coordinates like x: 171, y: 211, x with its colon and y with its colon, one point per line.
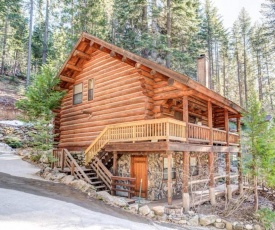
x: 172, y: 33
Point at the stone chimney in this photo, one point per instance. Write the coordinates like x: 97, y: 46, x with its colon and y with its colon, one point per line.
x: 203, y: 70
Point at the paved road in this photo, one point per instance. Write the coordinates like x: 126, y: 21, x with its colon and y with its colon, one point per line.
x: 32, y: 203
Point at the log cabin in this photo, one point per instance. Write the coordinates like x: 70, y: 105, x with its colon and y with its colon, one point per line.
x: 143, y: 129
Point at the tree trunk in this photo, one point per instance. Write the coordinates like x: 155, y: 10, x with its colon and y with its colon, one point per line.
x: 239, y: 78
x: 260, y: 85
x: 144, y: 29
x: 45, y: 42
x: 4, y: 45
x: 168, y: 25
x: 269, y: 84
x: 30, y: 44
x: 245, y: 71
x: 224, y: 77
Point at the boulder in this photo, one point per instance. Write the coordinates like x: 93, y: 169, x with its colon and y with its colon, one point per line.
x: 112, y: 199
x: 228, y: 226
x: 218, y: 220
x: 194, y: 221
x: 182, y: 222
x: 144, y: 210
x: 238, y: 226
x: 80, y: 185
x: 248, y: 227
x: 219, y: 225
x: 60, y: 176
x: 44, y: 158
x: 207, y: 220
x: 257, y: 227
x: 67, y: 179
x: 158, y: 210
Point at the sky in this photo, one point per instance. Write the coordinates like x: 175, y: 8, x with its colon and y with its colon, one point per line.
x: 230, y: 9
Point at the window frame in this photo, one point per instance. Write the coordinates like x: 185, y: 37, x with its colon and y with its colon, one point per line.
x: 165, y: 169
x: 91, y: 91
x: 76, y: 94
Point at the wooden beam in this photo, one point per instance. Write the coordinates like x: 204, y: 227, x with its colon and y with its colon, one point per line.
x: 185, y: 115
x: 171, y: 95
x: 82, y: 55
x: 137, y: 65
x: 66, y: 79
x: 176, y: 84
x: 210, y: 121
x: 113, y: 54
x: 139, y: 146
x: 73, y: 67
x: 58, y: 88
x: 92, y: 43
x: 185, y: 180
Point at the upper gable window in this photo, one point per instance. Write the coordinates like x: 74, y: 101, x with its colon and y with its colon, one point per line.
x: 77, y: 98
x: 90, y: 89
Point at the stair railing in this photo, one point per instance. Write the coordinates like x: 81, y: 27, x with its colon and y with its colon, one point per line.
x: 65, y: 159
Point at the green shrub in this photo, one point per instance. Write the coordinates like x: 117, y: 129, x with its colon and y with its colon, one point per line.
x: 266, y: 217
x: 35, y: 157
x: 13, y: 142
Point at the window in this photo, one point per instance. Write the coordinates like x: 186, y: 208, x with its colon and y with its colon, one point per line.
x: 77, y: 98
x: 165, y: 169
x: 90, y: 89
x: 194, y: 169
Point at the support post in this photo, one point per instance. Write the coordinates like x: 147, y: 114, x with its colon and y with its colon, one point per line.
x: 113, y: 192
x: 185, y: 116
x: 240, y: 178
x: 169, y: 182
x: 227, y: 157
x: 212, y: 195
x: 185, y: 179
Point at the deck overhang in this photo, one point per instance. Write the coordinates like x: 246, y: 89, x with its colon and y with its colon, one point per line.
x: 167, y: 146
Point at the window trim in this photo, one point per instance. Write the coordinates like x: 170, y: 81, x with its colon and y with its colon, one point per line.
x: 165, y: 169
x: 91, y: 90
x: 78, y: 93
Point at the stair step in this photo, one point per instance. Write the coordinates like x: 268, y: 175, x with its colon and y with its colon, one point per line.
x: 96, y: 182
x: 93, y: 178
x: 91, y: 174
x: 100, y: 186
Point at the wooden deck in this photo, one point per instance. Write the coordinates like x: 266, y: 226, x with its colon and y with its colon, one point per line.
x: 165, y: 129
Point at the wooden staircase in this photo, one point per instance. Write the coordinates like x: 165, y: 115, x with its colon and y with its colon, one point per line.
x: 67, y: 164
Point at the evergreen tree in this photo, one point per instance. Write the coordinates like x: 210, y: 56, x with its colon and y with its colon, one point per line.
x: 260, y: 141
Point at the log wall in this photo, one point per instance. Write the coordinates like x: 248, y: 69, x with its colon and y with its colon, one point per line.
x: 119, y: 97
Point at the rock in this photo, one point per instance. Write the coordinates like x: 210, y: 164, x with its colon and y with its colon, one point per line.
x: 144, y: 210
x: 133, y: 207
x: 164, y: 217
x: 257, y: 227
x: 248, y: 227
x: 80, y: 185
x: 112, y: 199
x: 158, y: 210
x: 194, y: 221
x: 49, y: 176
x: 191, y: 213
x: 228, y: 226
x: 218, y: 220
x: 238, y: 226
x: 67, y: 179
x: 182, y: 222
x: 44, y: 158
x: 207, y: 220
x: 60, y: 176
x: 151, y: 214
x: 219, y: 225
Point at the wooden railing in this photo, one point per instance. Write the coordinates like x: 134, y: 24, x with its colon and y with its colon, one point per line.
x: 146, y: 130
x: 65, y: 159
x: 113, y: 183
x: 198, y: 132
x: 219, y: 136
x: 102, y: 172
x: 123, y: 184
x: 234, y: 138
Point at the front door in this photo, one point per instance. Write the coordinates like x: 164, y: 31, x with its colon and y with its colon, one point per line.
x: 139, y: 171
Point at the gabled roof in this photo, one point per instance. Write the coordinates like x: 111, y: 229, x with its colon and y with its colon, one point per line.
x: 87, y: 44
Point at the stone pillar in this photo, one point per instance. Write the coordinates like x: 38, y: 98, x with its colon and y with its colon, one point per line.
x: 185, y: 180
